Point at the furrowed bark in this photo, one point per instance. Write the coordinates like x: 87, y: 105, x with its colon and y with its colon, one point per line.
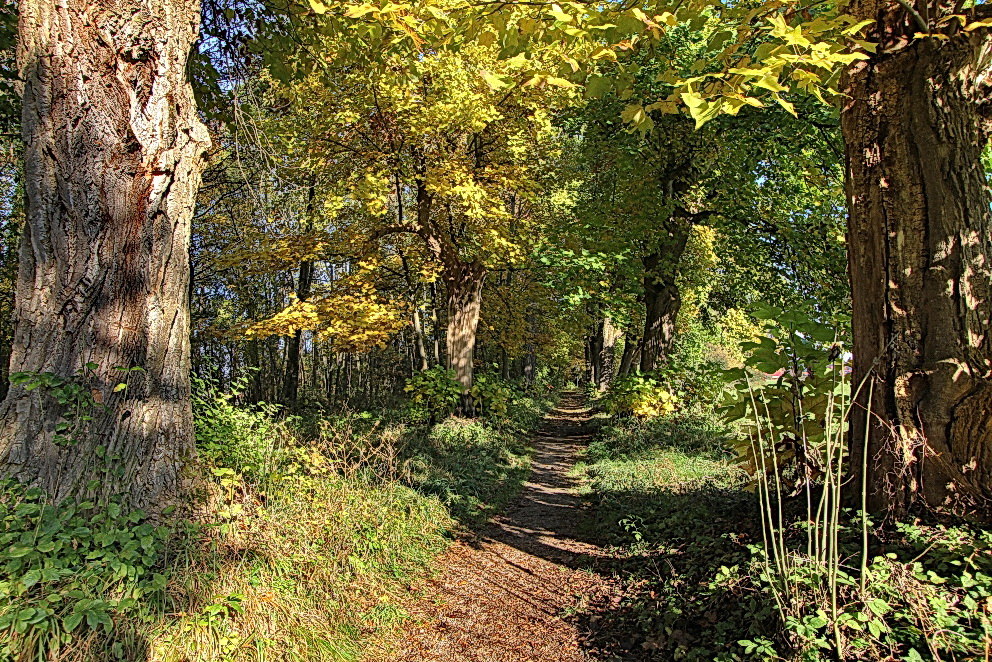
x: 463, y: 284
x: 917, y: 119
x: 662, y: 299
x: 113, y: 151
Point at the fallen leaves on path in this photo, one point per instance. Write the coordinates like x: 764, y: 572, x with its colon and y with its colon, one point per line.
x: 508, y: 595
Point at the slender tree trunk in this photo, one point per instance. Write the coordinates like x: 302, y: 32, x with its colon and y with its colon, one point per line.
x: 662, y: 299
x: 418, y: 335
x: 916, y: 120
x: 463, y: 285
x: 113, y: 153
x: 291, y: 378
x: 436, y: 326
x: 594, y: 354
x: 530, y: 366
x: 631, y: 352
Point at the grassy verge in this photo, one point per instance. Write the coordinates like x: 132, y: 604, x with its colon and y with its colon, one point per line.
x: 669, y: 500
x: 315, y: 531
x: 688, y: 539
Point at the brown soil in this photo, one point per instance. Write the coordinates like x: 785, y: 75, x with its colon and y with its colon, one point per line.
x: 508, y: 594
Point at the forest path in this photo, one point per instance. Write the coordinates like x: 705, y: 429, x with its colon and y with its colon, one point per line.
x: 507, y: 594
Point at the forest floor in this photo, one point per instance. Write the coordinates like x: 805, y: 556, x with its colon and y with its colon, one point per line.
x: 520, y: 589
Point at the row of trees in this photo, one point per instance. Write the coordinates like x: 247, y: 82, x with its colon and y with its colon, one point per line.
x: 410, y: 169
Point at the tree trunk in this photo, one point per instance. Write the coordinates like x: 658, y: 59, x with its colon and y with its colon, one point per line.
x: 661, y: 299
x: 113, y: 153
x: 594, y: 354
x: 418, y: 336
x: 291, y: 378
x: 915, y: 124
x: 464, y: 293
x: 631, y: 351
x: 607, y: 361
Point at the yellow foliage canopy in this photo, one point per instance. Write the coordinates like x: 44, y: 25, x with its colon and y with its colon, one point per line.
x: 352, y: 315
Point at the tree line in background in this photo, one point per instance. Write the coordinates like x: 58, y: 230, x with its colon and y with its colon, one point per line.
x: 490, y: 187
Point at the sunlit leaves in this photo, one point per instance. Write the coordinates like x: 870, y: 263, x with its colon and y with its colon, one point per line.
x: 350, y: 314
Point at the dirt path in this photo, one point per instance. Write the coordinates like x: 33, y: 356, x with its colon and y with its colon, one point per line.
x: 506, y: 596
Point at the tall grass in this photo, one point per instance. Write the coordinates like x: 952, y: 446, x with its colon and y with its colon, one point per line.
x: 836, y: 601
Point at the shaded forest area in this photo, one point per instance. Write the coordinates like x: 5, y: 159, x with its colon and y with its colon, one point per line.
x: 313, y: 313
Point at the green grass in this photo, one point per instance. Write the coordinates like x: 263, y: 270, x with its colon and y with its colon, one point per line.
x: 672, y: 504
x: 688, y: 542
x: 313, y: 533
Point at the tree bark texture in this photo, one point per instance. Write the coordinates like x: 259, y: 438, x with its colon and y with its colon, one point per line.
x: 291, y: 380
x: 662, y: 299
x: 113, y: 154
x: 915, y: 122
x: 463, y: 285
x: 608, y: 359
x: 631, y: 352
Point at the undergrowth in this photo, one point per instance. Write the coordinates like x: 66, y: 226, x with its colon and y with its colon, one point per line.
x: 681, y: 516
x: 313, y: 533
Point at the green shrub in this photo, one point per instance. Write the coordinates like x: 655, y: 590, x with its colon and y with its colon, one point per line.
x: 491, y: 396
x: 434, y: 394
x: 695, y: 369
x: 247, y: 439
x: 73, y: 572
x: 793, y: 386
x: 525, y: 412
x: 640, y: 396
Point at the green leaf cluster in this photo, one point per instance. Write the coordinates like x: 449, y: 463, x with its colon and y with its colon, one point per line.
x: 70, y: 568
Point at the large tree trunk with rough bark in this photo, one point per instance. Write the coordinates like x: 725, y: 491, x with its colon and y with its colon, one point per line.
x: 113, y: 154
x: 662, y: 299
x: 915, y: 122
x: 608, y: 360
x: 463, y: 285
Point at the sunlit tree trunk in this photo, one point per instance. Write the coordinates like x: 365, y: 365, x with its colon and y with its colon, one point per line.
x: 608, y: 360
x: 418, y: 336
x: 916, y: 120
x: 463, y: 286
x: 113, y: 152
x: 601, y: 347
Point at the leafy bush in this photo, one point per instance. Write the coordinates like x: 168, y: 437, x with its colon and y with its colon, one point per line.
x: 72, y: 570
x: 434, y: 394
x: 525, y: 412
x: 640, y: 396
x: 794, y: 387
x: 245, y: 439
x: 695, y: 370
x: 491, y: 395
